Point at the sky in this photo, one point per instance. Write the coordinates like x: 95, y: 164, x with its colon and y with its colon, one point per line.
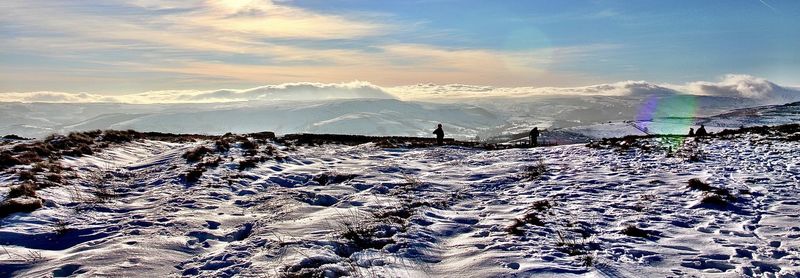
x: 130, y: 46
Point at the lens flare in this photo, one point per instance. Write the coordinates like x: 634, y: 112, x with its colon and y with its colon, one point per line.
x: 668, y: 115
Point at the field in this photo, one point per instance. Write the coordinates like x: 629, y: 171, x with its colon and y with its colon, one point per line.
x: 256, y: 206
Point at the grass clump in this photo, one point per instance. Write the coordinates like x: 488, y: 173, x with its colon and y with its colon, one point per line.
x: 222, y: 145
x: 532, y: 172
x: 7, y: 160
x: 248, y: 144
x: 717, y: 199
x: 196, y: 154
x: 541, y: 205
x: 361, y: 234
x: 713, y: 196
x: 633, y: 231
x: 27, y: 189
x: 248, y: 163
x: 697, y: 184
x: 22, y: 204
x: 26, y: 175
x: 531, y: 217
x: 193, y: 175
x: 333, y: 178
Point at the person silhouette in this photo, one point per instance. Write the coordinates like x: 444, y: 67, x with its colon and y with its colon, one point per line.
x: 533, y: 136
x: 691, y: 131
x: 439, y: 135
x: 701, y: 131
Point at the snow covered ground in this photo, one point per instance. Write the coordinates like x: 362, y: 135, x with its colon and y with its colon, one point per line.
x: 365, y: 211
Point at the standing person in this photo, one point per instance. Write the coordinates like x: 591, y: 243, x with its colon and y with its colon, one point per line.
x: 439, y: 135
x: 691, y: 131
x: 534, y: 136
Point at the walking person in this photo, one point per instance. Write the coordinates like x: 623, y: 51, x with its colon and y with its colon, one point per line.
x: 534, y: 137
x: 439, y: 135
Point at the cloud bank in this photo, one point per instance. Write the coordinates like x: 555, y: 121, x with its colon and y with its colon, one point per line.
x: 732, y: 85
x: 736, y: 85
x: 301, y: 91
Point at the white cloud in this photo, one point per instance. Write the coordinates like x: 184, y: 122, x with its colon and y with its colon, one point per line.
x: 738, y: 86
x: 57, y: 97
x: 198, y: 38
x: 451, y: 91
x: 731, y: 85
x: 287, y: 91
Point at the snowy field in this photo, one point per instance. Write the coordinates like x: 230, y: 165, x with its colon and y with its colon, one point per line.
x: 365, y: 211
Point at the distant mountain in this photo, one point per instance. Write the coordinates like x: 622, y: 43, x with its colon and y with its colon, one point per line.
x: 348, y: 116
x: 362, y: 108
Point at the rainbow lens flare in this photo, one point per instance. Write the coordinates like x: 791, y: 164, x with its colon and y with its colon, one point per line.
x: 668, y: 115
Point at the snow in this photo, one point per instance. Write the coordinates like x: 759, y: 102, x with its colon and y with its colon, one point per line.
x: 449, y: 209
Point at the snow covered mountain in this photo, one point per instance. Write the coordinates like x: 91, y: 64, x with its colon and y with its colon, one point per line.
x: 348, y: 116
x: 362, y: 108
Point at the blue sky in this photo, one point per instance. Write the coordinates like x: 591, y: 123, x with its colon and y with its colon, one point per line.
x: 121, y: 46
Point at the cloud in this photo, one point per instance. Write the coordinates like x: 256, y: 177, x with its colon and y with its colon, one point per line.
x: 731, y: 85
x: 454, y: 91
x: 252, y: 42
x: 303, y: 91
x: 55, y: 97
x: 399, y: 64
x: 736, y: 86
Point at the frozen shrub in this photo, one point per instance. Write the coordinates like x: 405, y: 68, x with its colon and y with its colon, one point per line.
x: 21, y: 204
x: 196, y: 154
x: 720, y: 198
x: 61, y: 227
x: 39, y: 148
x: 516, y: 227
x: 222, y: 145
x: 713, y: 199
x: 697, y: 184
x: 395, y: 214
x: 29, y: 157
x: 80, y: 138
x: 210, y: 163
x: 27, y: 189
x: 54, y: 167
x: 14, y: 137
x: 26, y: 176
x: 531, y: 217
x: 38, y: 167
x: 366, y: 236
x: 193, y: 175
x: 541, y: 205
x: 633, y: 231
x: 532, y: 172
x: 119, y: 136
x: 248, y: 163
x: 712, y: 195
x: 587, y: 260
x: 333, y: 178
x: 248, y: 145
x: 7, y: 160
x: 53, y: 177
x: 79, y: 150
x: 572, y: 245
